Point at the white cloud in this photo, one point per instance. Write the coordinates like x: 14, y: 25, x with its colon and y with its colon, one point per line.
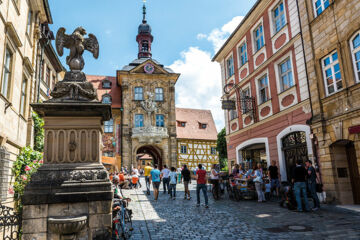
x: 201, y: 36
x: 199, y: 85
x: 218, y: 36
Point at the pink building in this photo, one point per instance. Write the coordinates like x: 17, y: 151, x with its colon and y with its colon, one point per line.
x: 263, y: 68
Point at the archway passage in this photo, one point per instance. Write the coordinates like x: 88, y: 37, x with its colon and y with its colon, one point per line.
x: 295, y: 148
x: 254, y: 154
x: 154, y: 152
x: 347, y: 176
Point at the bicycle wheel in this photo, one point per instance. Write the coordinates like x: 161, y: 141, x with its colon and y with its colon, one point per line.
x: 215, y: 193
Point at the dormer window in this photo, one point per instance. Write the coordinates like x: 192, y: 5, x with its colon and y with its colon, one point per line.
x: 181, y: 124
x: 202, y: 125
x: 106, y: 99
x: 106, y: 84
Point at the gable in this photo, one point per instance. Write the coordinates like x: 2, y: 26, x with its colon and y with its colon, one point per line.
x: 158, y: 69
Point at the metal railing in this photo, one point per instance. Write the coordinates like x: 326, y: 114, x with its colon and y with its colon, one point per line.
x: 10, y: 223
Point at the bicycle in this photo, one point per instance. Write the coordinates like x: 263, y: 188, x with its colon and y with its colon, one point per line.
x: 122, y: 223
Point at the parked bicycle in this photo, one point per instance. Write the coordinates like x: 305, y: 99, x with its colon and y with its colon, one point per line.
x: 122, y: 223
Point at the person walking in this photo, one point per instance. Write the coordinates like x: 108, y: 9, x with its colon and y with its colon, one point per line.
x: 165, y: 178
x: 257, y: 179
x: 155, y: 179
x: 299, y: 180
x: 214, y: 180
x: 274, y: 178
x: 147, y: 175
x: 173, y: 181
x: 201, y: 185
x: 186, y: 176
x: 311, y: 183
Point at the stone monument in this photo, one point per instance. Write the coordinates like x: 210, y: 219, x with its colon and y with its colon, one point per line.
x: 70, y: 196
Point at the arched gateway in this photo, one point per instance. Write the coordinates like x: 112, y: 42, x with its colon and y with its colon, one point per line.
x: 154, y: 151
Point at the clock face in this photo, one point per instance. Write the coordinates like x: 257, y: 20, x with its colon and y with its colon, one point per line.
x: 149, y: 68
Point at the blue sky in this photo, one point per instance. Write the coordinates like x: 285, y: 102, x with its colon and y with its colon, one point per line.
x: 186, y: 35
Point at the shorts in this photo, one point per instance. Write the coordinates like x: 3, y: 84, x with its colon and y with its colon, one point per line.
x: 156, y: 185
x: 275, y: 183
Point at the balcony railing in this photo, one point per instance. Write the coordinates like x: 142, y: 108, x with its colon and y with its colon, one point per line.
x: 147, y: 133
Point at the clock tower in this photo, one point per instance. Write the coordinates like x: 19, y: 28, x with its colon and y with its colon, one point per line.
x: 148, y: 125
x: 144, y: 37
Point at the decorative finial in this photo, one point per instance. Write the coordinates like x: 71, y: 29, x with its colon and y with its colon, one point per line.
x: 144, y: 12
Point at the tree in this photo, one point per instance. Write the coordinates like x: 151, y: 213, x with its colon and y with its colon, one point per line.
x: 222, y: 149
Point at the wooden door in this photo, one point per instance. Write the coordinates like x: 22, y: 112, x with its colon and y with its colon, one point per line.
x: 354, y: 172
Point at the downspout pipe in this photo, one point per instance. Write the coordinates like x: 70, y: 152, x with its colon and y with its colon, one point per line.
x: 309, y: 121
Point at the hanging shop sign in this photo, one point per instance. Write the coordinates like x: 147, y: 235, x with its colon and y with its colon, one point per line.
x: 228, y: 105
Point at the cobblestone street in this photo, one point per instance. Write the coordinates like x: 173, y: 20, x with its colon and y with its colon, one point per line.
x: 226, y: 219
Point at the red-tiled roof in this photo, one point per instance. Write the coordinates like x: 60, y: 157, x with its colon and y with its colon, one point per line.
x: 115, y: 90
x: 193, y: 118
x: 145, y: 157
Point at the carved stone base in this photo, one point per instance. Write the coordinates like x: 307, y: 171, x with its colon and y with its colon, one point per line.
x: 56, y: 183
x: 73, y: 91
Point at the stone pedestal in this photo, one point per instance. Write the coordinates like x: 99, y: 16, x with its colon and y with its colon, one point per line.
x: 70, y: 196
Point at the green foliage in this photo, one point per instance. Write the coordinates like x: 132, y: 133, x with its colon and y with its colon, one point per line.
x: 25, y: 165
x: 38, y: 132
x: 222, y: 148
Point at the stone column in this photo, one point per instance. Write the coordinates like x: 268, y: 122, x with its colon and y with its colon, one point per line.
x: 70, y: 196
x: 72, y: 189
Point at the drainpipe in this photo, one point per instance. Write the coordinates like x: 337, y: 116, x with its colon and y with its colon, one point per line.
x: 309, y: 121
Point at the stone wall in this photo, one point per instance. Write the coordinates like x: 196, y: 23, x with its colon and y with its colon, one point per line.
x: 332, y: 115
x: 35, y: 219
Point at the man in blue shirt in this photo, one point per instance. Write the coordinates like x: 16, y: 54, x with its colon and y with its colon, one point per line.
x: 155, y: 179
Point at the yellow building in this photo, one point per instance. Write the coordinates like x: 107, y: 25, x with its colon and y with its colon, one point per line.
x: 24, y: 28
x: 196, y: 138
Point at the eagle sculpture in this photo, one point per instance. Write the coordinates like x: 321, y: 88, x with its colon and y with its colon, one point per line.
x: 77, y: 44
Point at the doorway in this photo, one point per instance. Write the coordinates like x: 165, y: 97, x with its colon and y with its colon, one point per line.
x: 153, y: 153
x: 295, y: 148
x: 344, y: 159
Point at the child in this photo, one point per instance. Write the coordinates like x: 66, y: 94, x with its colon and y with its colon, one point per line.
x: 267, y: 190
x: 173, y: 180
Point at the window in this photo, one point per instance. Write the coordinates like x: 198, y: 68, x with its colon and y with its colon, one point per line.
x: 332, y: 74
x: 245, y: 94
x: 159, y: 94
x: 139, y: 94
x: 28, y: 26
x: 106, y: 84
x: 233, y: 114
x: 263, y: 89
x: 355, y: 47
x: 202, y: 125
x: 48, y: 76
x: 279, y: 17
x: 320, y: 6
x: 286, y: 79
x: 259, y: 37
x: 181, y: 124
x: 139, y: 120
x: 6, y: 78
x: 145, y: 46
x: 109, y: 126
x: 183, y: 149
x: 230, y: 66
x: 160, y: 120
x: 53, y: 81
x: 243, y: 54
x: 23, y: 96
x: 213, y: 150
x: 106, y: 99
